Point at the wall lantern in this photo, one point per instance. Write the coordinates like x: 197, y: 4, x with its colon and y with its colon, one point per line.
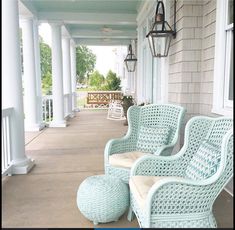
x: 161, y: 33
x: 130, y: 60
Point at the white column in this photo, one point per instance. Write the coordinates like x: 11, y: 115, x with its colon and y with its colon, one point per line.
x: 12, y: 84
x: 73, y: 75
x: 57, y: 77
x: 128, y: 87
x: 67, y: 74
x: 132, y: 83
x: 30, y: 86
x: 38, y: 74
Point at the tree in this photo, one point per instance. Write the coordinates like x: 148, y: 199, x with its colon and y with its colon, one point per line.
x: 96, y: 79
x: 112, y: 81
x: 85, y: 63
x: 47, y: 84
x: 45, y: 52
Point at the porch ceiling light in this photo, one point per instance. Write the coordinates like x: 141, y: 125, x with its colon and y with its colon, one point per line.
x: 161, y: 33
x: 130, y: 60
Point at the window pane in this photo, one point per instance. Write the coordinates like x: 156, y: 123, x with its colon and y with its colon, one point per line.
x: 230, y: 96
x: 230, y: 11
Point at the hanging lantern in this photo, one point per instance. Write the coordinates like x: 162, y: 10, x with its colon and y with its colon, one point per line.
x: 130, y: 60
x: 161, y: 33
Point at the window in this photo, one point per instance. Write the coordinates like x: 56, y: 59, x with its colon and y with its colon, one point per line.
x: 223, y: 71
x: 228, y: 88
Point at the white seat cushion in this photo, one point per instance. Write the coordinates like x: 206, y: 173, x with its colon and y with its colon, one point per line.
x: 125, y: 160
x: 140, y: 186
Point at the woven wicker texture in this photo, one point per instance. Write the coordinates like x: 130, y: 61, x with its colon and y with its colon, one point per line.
x: 204, y: 163
x: 153, y: 116
x: 188, y: 203
x: 150, y: 139
x: 102, y: 198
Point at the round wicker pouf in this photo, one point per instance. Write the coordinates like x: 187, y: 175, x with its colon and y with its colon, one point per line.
x: 103, y: 198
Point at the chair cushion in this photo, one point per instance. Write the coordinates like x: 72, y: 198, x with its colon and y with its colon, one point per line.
x: 125, y: 160
x: 140, y: 186
x: 151, y: 138
x: 204, y: 163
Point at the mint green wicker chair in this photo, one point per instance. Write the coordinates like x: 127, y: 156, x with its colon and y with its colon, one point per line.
x: 179, y: 190
x: 153, y: 129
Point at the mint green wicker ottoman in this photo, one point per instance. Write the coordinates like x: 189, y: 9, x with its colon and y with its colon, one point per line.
x: 102, y: 198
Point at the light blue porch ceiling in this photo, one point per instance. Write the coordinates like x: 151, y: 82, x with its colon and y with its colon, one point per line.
x: 96, y: 22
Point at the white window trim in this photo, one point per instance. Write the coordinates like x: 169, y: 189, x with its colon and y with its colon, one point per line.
x: 227, y: 102
x: 220, y: 48
x: 165, y: 63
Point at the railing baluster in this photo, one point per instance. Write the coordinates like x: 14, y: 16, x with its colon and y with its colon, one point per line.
x: 3, y: 147
x: 10, y: 139
x: 47, y: 102
x: 6, y: 140
x: 49, y: 109
x: 44, y: 109
x: 51, y: 115
x: 5, y: 144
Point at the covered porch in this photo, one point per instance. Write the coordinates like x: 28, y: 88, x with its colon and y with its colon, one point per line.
x: 56, y: 159
x: 46, y: 197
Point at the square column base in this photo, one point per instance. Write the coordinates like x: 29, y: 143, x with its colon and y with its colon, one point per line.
x: 71, y: 115
x: 23, y: 169
x: 34, y: 127
x: 76, y: 110
x: 58, y: 124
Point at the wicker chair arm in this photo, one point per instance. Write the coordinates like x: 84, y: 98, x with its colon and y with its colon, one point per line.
x: 128, y: 142
x: 158, y: 166
x: 165, y: 150
x: 119, y: 145
x: 179, y: 196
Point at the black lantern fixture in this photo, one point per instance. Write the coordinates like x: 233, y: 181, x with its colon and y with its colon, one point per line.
x: 130, y: 60
x: 161, y: 33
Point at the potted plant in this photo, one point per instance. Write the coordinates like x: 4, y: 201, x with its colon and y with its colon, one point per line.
x: 127, y: 101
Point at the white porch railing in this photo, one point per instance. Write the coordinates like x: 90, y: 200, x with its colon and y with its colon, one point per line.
x: 74, y: 101
x: 47, y: 108
x: 66, y: 104
x: 6, y: 141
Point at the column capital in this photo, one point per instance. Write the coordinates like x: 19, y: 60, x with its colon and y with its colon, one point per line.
x: 26, y: 18
x: 55, y: 23
x: 66, y: 37
x: 36, y: 22
x: 72, y: 43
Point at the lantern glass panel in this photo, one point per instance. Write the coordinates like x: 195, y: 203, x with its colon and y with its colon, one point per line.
x: 159, y: 43
x: 130, y: 65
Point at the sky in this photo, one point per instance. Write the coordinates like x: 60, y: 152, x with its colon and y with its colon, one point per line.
x: 105, y: 58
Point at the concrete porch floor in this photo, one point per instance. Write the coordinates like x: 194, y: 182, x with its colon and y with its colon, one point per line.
x: 64, y: 157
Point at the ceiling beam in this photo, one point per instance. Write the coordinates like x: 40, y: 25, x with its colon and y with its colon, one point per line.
x: 99, y: 34
x: 102, y: 42
x: 65, y: 31
x: 89, y: 18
